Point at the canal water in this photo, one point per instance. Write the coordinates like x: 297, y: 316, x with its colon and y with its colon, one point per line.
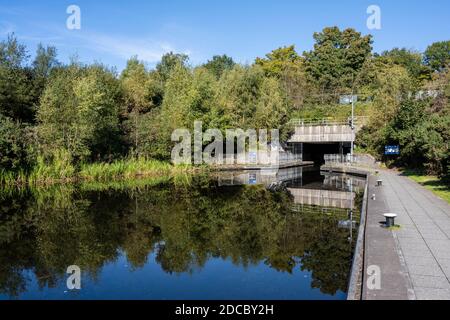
x: 283, y: 234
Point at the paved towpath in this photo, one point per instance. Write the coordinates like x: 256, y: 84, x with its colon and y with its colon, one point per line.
x: 415, y: 259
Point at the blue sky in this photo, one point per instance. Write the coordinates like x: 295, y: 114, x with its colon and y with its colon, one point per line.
x: 112, y: 31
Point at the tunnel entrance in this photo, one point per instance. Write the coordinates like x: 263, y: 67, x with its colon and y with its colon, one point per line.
x: 316, y: 151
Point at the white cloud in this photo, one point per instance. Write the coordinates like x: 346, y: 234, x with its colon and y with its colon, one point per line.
x: 120, y: 46
x: 146, y: 50
x: 6, y: 28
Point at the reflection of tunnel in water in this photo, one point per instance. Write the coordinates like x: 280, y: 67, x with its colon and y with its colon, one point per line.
x: 308, y: 177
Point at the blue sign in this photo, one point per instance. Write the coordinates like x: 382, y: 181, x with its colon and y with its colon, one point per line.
x: 391, y: 150
x: 252, y: 178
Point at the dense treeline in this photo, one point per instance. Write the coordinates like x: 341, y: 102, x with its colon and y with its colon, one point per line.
x: 65, y: 115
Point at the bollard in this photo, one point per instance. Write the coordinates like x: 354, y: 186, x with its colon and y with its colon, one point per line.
x: 390, y: 219
x: 379, y: 183
x: 373, y: 197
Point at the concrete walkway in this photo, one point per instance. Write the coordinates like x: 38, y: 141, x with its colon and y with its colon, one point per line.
x: 421, y: 269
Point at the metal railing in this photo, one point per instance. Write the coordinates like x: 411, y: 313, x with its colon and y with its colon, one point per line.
x: 262, y: 157
x: 327, y: 121
x: 340, y: 158
x: 364, y: 160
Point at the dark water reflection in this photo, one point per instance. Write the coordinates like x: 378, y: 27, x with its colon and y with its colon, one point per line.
x: 188, y: 239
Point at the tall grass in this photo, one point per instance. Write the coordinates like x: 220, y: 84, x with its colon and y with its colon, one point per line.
x: 129, y: 169
x: 59, y: 169
x: 12, y: 178
x: 123, y: 184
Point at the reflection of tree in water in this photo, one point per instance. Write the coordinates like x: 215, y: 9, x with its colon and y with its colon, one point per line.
x: 184, y: 225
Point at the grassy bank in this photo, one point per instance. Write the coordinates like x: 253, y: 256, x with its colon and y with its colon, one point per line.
x: 61, y: 171
x: 432, y: 183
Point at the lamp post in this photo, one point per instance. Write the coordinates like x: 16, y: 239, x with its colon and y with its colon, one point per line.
x: 352, y: 124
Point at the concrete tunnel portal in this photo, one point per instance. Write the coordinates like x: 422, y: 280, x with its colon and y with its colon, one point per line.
x: 314, y: 139
x: 315, y: 151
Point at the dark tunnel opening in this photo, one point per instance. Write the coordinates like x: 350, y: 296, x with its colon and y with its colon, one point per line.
x: 316, y: 151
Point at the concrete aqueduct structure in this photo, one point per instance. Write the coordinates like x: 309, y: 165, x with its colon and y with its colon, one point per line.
x: 314, y: 138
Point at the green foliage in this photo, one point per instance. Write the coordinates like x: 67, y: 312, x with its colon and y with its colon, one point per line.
x: 45, y: 61
x: 129, y: 169
x: 337, y: 58
x: 219, y: 64
x: 250, y: 100
x: 279, y: 60
x: 13, y: 145
x: 79, y: 112
x: 411, y: 60
x: 331, y: 111
x: 437, y: 55
x: 387, y: 84
x: 423, y: 137
x: 433, y: 139
x: 12, y: 53
x: 287, y: 66
x: 56, y: 167
x: 142, y: 92
x: 97, y: 116
x: 190, y: 95
x: 168, y: 63
x: 21, y: 86
x: 16, y: 100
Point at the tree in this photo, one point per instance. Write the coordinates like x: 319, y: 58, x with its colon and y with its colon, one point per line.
x: 440, y: 83
x: 437, y: 55
x: 271, y: 108
x: 16, y: 98
x: 12, y: 53
x: 13, y: 145
x: 422, y: 136
x: 238, y: 94
x: 218, y: 64
x: 432, y: 141
x: 168, y: 63
x: 44, y: 62
x: 288, y: 67
x: 279, y: 60
x: 79, y: 112
x: 249, y: 100
x: 142, y: 92
x: 172, y: 114
x: 190, y: 95
x: 409, y: 59
x: 337, y: 58
x: 387, y: 84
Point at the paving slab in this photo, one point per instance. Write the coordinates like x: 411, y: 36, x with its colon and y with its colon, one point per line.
x: 430, y: 282
x: 381, y: 251
x: 432, y: 293
x: 414, y: 257
x: 423, y: 241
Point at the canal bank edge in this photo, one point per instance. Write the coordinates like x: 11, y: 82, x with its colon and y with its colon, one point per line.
x: 354, y: 290
x: 376, y: 246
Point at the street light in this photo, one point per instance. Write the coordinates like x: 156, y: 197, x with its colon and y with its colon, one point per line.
x: 353, y: 119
